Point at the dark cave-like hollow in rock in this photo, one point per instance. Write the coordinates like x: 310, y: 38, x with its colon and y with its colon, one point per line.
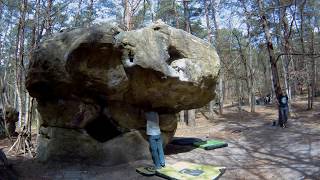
x: 174, y: 54
x: 102, y: 129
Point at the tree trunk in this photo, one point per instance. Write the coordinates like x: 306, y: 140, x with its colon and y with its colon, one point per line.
x: 151, y: 4
x: 4, y: 93
x: 33, y: 45
x: 302, y: 27
x: 20, y: 60
x: 251, y: 83
x: 31, y: 116
x: 5, y: 89
x: 313, y: 71
x: 19, y: 101
x: 244, y: 61
x: 127, y: 20
x: 27, y: 106
x: 39, y: 26
x: 144, y: 12
x: 316, y: 74
x: 221, y: 74
x: 90, y: 19
x: 309, y: 85
x: 189, y: 115
x: 287, y: 48
x: 212, y: 103
x: 49, y: 20
x: 265, y: 88
x: 176, y: 15
x: 313, y: 76
x: 187, y: 25
x: 238, y: 87
x: 77, y: 17
x: 272, y: 59
x: 207, y: 20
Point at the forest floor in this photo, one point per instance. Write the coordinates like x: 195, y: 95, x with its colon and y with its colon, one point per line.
x: 256, y: 149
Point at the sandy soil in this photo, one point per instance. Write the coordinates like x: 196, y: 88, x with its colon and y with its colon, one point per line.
x: 257, y: 150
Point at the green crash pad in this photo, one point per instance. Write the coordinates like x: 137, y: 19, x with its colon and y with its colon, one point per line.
x: 210, y: 144
x: 146, y: 171
x: 190, y: 171
x: 184, y: 141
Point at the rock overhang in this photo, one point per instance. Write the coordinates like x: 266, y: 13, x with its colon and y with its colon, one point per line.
x: 139, y: 67
x: 101, y: 79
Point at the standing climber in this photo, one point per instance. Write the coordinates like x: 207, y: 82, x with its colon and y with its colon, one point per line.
x: 283, y: 109
x: 155, y: 140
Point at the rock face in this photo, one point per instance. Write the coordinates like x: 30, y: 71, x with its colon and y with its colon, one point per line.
x: 5, y: 168
x: 11, y: 117
x: 94, y: 84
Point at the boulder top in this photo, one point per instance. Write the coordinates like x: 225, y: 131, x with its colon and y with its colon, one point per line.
x: 157, y: 67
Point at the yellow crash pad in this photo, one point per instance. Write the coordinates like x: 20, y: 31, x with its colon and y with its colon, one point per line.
x: 190, y: 171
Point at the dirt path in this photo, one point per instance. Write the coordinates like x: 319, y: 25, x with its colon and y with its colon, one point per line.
x: 256, y: 149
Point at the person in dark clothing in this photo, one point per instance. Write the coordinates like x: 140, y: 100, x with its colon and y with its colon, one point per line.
x: 267, y: 99
x: 283, y: 109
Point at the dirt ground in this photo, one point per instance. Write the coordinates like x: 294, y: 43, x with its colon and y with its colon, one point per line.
x: 256, y: 149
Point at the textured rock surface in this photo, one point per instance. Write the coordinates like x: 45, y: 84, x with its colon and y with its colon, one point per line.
x: 125, y: 148
x: 98, y: 81
x: 137, y: 67
x: 11, y: 117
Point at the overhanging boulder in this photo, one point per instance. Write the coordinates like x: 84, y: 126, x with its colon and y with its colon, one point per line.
x: 99, y: 81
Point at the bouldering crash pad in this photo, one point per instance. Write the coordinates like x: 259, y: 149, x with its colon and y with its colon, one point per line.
x: 190, y: 171
x: 210, y: 144
x: 146, y: 171
x: 185, y: 141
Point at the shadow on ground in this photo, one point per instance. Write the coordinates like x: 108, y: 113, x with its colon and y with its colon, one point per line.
x: 258, y: 150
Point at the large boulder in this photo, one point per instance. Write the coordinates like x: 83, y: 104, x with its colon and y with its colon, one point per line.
x: 94, y: 84
x: 6, y: 171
